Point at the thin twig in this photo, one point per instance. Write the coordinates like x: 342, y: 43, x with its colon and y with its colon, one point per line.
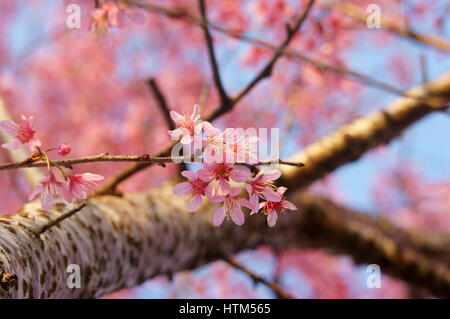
x: 161, y: 102
x: 225, y: 99
x: 145, y: 159
x: 60, y: 218
x: 266, y: 71
x: 275, y: 287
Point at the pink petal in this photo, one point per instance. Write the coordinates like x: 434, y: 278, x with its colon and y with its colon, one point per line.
x: 34, y: 144
x: 234, y: 191
x: 9, y: 127
x: 217, y: 198
x: 237, y: 216
x: 287, y: 204
x: 209, y: 191
x: 271, y: 175
x: 281, y: 190
x: 182, y: 189
x: 249, y: 189
x: 219, y: 216
x: 176, y: 117
x: 224, y: 187
x: 271, y: 195
x: 240, y: 174
x: 176, y: 132
x: 13, y: 145
x: 272, y: 218
x: 47, y: 199
x: 92, y: 177
x: 187, y: 139
x: 35, y: 192
x: 189, y: 175
x: 205, y: 175
x: 195, y: 203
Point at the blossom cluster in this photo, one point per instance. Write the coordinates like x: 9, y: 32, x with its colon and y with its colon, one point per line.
x: 72, y: 186
x: 226, y: 158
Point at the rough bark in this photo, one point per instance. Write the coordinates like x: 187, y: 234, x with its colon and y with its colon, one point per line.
x: 121, y: 241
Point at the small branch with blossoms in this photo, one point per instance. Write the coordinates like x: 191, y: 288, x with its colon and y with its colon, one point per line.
x: 188, y: 130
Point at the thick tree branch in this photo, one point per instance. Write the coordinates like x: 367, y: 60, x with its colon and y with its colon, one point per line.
x: 119, y: 242
x: 360, y: 15
x: 350, y: 142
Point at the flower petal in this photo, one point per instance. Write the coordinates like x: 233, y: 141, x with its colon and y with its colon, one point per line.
x: 189, y: 175
x: 240, y: 174
x: 205, y: 174
x: 13, y: 145
x: 271, y: 195
x: 35, y: 192
x: 186, y: 139
x: 271, y: 175
x: 234, y: 191
x: 224, y: 187
x: 182, y: 189
x: 176, y: 117
x: 287, y: 204
x: 272, y: 218
x: 9, y: 127
x: 219, y: 216
x: 195, y: 203
x: 92, y: 177
x: 237, y: 216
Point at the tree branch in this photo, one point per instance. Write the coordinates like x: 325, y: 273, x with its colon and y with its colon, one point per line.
x: 161, y: 102
x: 119, y: 242
x: 275, y: 287
x: 350, y: 142
x: 360, y: 15
x: 224, y: 98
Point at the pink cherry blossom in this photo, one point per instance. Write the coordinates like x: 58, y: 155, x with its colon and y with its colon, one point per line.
x: 64, y: 149
x: 79, y: 185
x: 50, y: 188
x: 195, y: 187
x: 103, y: 19
x: 272, y: 209
x: 231, y: 207
x: 242, y: 147
x: 262, y: 185
x: 186, y: 125
x: 222, y: 173
x: 23, y: 133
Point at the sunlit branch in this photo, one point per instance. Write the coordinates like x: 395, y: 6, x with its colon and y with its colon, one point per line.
x: 360, y: 15
x: 125, y: 158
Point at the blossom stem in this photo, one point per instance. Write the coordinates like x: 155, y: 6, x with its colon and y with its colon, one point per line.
x: 121, y: 158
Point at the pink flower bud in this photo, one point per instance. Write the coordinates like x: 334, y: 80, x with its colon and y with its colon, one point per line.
x: 64, y: 149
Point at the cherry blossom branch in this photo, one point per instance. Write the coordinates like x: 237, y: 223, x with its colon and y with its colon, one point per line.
x: 161, y: 102
x: 360, y: 15
x: 104, y: 157
x: 275, y: 287
x: 225, y: 99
